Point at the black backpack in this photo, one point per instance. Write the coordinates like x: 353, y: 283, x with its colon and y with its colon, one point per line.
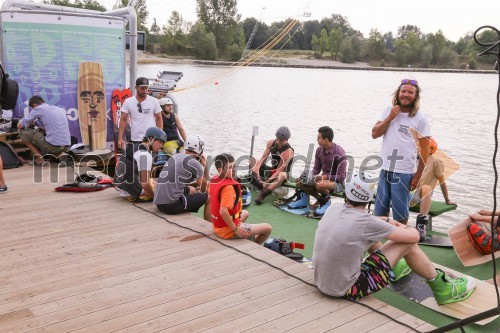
x: 10, y: 158
x: 9, y: 91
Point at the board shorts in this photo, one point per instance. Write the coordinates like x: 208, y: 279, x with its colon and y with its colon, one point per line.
x: 376, y: 274
x: 393, y: 190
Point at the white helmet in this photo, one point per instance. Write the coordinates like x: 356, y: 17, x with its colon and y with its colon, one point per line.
x: 360, y: 189
x: 195, y: 143
x: 307, y: 178
x: 165, y: 101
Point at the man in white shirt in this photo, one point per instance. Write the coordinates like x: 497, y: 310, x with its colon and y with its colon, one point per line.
x: 398, y: 124
x: 144, y: 112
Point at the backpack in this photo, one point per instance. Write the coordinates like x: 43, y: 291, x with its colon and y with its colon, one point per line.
x: 9, y: 91
x: 10, y: 158
x: 482, y: 238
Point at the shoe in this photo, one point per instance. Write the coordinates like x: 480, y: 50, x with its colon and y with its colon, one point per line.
x: 301, y: 201
x: 37, y: 162
x: 254, y: 180
x: 263, y: 194
x: 424, y: 223
x: 3, y: 188
x: 401, y: 269
x: 322, y: 208
x: 450, y: 290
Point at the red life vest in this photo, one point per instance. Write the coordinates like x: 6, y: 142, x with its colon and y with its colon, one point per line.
x: 216, y: 185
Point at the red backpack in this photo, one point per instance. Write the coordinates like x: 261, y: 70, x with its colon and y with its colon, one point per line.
x: 482, y: 238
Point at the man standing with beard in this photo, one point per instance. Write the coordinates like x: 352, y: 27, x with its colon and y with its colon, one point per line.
x: 399, y: 124
x: 144, y: 112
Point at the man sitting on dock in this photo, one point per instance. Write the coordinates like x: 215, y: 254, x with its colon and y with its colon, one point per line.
x: 265, y: 177
x: 133, y: 173
x: 347, y: 231
x: 52, y: 136
x: 183, y: 181
x: 329, y: 173
x: 226, y: 205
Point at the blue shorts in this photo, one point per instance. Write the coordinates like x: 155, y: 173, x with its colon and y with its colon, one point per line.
x: 393, y: 189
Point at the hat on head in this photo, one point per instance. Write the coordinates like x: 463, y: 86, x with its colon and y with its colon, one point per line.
x: 141, y: 82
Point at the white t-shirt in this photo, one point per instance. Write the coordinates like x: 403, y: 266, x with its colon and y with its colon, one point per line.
x: 140, y: 122
x: 399, y: 137
x: 342, y: 237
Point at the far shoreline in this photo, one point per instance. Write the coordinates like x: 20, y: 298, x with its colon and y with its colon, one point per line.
x: 148, y: 58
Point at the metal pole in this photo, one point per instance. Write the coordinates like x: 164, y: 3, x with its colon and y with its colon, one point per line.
x: 255, y: 132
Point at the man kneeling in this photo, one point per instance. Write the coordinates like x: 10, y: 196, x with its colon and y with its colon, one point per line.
x: 346, y: 231
x: 226, y: 205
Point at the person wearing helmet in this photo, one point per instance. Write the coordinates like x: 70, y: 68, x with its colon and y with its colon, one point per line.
x: 226, y: 205
x: 432, y: 174
x: 183, y: 181
x: 398, y: 125
x: 134, y: 170
x: 144, y: 112
x: 172, y: 126
x: 268, y: 176
x: 347, y: 231
x: 329, y: 173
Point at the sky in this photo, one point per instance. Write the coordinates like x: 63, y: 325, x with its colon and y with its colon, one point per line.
x: 453, y: 18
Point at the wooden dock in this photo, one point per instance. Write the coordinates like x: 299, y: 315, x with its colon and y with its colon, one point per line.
x: 93, y: 262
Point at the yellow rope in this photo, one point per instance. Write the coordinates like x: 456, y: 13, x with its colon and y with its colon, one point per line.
x: 247, y: 60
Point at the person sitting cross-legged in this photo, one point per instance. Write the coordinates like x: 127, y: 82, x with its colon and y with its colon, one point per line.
x: 347, y: 231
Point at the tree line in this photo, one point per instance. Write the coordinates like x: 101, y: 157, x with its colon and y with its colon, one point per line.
x: 219, y: 33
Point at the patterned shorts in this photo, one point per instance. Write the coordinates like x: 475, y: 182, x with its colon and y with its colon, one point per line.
x: 376, y: 273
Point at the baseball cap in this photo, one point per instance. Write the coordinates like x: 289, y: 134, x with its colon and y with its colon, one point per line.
x: 141, y: 82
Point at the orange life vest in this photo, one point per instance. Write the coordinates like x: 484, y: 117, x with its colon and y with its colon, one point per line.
x: 216, y: 185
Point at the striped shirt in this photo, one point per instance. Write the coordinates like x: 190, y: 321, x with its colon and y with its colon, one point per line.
x: 53, y: 120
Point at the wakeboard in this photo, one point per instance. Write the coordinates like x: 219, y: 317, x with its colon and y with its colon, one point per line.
x: 305, y: 211
x: 92, y: 104
x: 435, y: 240
x: 415, y: 288
x: 118, y: 96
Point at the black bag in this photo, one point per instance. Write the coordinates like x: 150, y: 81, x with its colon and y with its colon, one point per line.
x: 9, y: 91
x: 10, y: 158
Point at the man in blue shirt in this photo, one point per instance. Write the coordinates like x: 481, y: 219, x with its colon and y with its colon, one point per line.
x: 52, y: 135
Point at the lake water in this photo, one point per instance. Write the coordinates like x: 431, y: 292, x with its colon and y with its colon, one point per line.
x: 223, y: 104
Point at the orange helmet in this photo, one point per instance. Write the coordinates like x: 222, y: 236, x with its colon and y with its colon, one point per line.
x: 433, y: 146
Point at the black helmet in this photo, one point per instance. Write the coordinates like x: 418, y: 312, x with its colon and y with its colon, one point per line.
x: 156, y: 133
x: 283, y: 133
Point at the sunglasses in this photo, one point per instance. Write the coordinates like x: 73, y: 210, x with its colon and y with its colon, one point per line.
x: 140, y: 107
x: 412, y: 82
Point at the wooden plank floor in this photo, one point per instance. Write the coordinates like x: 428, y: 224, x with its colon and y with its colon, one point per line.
x: 93, y: 262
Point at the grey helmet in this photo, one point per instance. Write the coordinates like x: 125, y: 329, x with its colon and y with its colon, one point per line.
x: 283, y: 133
x: 195, y: 143
x: 156, y: 133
